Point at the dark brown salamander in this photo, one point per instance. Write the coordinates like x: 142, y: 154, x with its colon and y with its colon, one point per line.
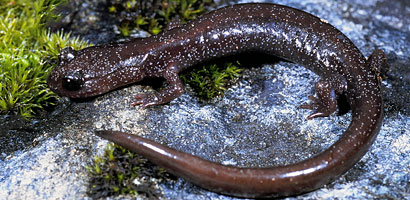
x: 269, y: 28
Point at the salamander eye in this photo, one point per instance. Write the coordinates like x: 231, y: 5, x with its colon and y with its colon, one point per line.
x: 73, y: 81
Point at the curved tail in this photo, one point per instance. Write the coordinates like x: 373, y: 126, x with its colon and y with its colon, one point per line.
x: 278, y: 181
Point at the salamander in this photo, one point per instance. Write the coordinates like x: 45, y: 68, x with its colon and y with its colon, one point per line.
x: 272, y: 29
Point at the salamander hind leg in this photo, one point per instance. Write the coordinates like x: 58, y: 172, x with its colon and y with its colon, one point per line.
x: 378, y: 62
x: 327, y: 90
x: 174, y: 90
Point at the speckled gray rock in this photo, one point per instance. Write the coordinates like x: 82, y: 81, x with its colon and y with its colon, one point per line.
x: 257, y: 123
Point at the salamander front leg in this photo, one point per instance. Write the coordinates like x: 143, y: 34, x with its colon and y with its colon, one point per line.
x: 327, y: 91
x: 174, y: 90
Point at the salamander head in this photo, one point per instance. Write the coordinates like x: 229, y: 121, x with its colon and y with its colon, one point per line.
x: 94, y: 70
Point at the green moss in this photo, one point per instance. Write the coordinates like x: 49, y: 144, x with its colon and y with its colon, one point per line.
x: 211, y: 80
x: 124, y: 29
x: 115, y: 173
x: 27, y: 49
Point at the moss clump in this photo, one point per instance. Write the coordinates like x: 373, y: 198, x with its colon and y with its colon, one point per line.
x: 121, y: 172
x: 211, y: 80
x: 27, y: 49
x: 153, y: 16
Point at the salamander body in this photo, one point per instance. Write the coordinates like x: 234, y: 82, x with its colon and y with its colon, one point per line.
x: 272, y: 29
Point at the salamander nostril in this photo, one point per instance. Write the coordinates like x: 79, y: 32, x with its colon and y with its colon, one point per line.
x: 73, y: 82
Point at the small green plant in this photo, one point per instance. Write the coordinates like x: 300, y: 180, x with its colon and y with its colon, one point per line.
x: 124, y: 29
x: 27, y: 49
x: 153, y: 16
x: 211, y: 80
x: 140, y: 21
x: 121, y: 172
x: 154, y: 27
x: 185, y: 9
